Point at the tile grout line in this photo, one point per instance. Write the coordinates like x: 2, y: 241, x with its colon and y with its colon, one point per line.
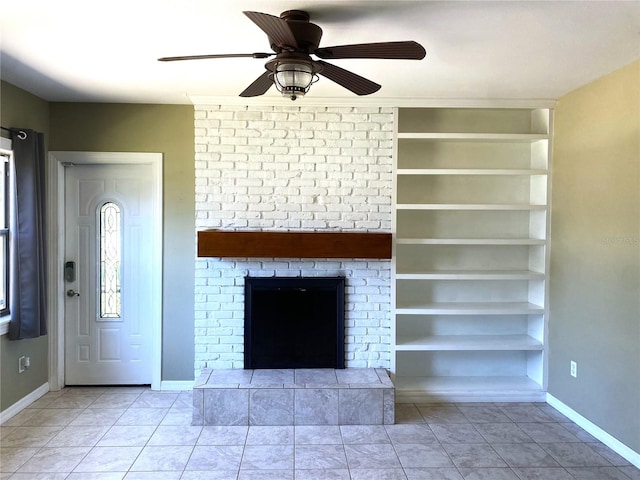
x: 521, y: 418
x: 108, y: 430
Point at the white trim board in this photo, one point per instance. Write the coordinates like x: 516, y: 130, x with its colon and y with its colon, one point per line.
x: 23, y: 403
x: 55, y: 241
x: 177, y: 385
x: 591, y: 428
x: 369, y: 102
x: 468, y: 397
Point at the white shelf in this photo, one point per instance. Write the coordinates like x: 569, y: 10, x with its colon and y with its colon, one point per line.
x: 469, y: 206
x: 471, y: 275
x: 483, y: 137
x: 511, y: 308
x: 451, y: 384
x: 460, y: 389
x: 469, y: 343
x: 470, y: 241
x: 469, y: 171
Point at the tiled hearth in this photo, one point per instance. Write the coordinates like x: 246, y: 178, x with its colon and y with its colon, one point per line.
x: 353, y: 396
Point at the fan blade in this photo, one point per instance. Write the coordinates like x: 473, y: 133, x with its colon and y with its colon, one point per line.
x: 221, y: 55
x: 259, y: 86
x: 276, y: 28
x: 349, y: 80
x: 392, y: 50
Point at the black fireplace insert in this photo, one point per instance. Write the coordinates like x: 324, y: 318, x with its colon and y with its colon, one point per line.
x: 294, y: 322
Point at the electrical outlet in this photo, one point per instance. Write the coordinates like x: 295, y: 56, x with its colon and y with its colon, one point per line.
x: 22, y: 364
x: 574, y: 369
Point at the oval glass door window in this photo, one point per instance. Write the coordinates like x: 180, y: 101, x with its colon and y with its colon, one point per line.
x: 110, y: 261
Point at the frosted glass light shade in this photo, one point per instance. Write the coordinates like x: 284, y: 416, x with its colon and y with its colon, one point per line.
x: 293, y: 79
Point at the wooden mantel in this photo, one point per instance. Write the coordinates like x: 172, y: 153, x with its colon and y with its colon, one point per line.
x: 216, y: 243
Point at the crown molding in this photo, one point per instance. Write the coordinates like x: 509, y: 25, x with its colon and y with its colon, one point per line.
x: 312, y: 101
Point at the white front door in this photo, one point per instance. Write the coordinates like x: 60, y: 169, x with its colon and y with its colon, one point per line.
x: 108, y: 269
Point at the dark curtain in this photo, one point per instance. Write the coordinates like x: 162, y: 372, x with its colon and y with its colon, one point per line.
x: 28, y: 263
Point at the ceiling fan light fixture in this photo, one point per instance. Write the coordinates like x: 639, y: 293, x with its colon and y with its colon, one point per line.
x: 294, y: 79
x: 293, y: 39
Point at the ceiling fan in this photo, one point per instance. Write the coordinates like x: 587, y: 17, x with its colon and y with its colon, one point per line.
x: 294, y: 39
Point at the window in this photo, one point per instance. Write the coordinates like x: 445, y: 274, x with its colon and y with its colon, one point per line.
x: 5, y: 216
x: 110, y: 257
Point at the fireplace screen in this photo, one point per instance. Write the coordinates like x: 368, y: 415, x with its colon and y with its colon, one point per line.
x: 294, y: 322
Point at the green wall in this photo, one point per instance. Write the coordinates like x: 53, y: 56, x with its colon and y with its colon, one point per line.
x: 595, y: 254
x: 19, y: 108
x: 167, y: 129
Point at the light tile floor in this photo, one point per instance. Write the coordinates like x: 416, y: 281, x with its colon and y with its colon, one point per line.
x: 134, y: 433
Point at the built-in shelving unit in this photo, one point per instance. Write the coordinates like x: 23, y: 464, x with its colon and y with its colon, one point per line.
x: 471, y: 253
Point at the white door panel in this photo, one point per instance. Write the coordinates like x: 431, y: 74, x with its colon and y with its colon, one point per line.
x: 112, y: 347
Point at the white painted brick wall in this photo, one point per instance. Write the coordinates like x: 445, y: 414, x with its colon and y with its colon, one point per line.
x: 301, y: 169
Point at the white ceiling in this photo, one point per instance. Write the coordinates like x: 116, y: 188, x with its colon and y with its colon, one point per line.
x: 79, y: 50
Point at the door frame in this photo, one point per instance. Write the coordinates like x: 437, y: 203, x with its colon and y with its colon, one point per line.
x: 55, y: 251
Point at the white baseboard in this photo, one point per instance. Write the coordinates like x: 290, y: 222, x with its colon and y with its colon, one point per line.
x: 176, y: 385
x: 474, y: 397
x: 23, y: 403
x: 613, y: 443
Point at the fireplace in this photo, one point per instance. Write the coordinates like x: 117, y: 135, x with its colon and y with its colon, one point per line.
x: 294, y: 322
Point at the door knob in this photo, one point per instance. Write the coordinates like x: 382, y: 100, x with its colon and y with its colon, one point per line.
x: 72, y: 293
